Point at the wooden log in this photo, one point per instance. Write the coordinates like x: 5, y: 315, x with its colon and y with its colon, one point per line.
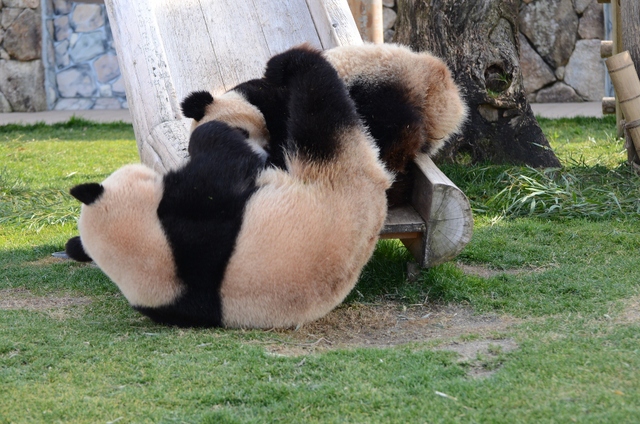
x: 446, y: 212
x: 368, y: 17
x: 604, y: 1
x: 608, y: 105
x: 606, y: 48
x: 627, y: 85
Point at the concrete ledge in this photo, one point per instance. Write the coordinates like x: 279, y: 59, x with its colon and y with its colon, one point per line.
x: 55, y: 116
x: 567, y: 110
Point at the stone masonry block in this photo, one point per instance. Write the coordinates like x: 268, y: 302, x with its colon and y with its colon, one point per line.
x: 76, y: 81
x: 23, y: 39
x: 87, y: 17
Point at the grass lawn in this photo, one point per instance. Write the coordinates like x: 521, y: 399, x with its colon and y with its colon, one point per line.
x: 538, y: 320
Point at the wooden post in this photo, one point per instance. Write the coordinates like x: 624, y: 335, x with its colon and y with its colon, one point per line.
x: 368, y: 17
x: 627, y: 85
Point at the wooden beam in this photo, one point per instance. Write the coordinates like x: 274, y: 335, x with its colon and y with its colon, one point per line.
x: 606, y: 48
x: 608, y: 105
x: 446, y: 212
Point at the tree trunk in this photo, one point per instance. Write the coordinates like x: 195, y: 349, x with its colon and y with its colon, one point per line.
x: 630, y: 22
x: 630, y: 15
x: 479, y: 41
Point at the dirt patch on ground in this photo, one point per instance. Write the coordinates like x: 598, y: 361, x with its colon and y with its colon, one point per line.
x: 24, y: 299
x: 484, y: 272
x: 631, y: 312
x: 387, y: 324
x: 483, y: 357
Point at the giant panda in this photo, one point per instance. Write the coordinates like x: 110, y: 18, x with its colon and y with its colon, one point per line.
x: 226, y: 240
x: 408, y: 101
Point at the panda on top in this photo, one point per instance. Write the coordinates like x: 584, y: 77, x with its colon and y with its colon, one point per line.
x: 227, y: 240
x: 408, y: 101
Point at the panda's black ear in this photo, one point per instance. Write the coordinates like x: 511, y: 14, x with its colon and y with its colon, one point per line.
x: 75, y: 251
x: 87, y: 193
x: 195, y: 104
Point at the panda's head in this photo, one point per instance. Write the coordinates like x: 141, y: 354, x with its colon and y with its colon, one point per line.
x: 231, y: 108
x: 121, y: 232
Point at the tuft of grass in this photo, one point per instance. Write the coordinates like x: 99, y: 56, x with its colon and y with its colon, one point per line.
x: 573, y: 192
x: 594, y: 182
x: 47, y: 206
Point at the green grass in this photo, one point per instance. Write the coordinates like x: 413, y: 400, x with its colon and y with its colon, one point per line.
x: 566, y: 268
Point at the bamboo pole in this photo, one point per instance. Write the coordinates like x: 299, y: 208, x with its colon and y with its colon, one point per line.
x: 368, y: 17
x: 627, y: 85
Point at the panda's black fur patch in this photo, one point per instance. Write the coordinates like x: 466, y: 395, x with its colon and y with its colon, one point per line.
x: 389, y: 112
x: 201, y: 213
x: 195, y: 104
x: 75, y: 251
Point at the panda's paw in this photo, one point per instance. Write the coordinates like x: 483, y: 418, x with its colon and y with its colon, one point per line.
x: 296, y: 61
x: 75, y: 251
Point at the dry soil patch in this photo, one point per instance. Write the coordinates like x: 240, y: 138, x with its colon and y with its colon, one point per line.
x: 388, y: 324
x: 24, y: 299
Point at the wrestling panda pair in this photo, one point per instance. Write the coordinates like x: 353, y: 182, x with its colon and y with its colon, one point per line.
x: 408, y: 101
x: 228, y: 241
x: 279, y: 207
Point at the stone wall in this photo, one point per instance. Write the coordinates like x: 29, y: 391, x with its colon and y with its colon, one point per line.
x: 81, y: 62
x: 78, y: 68
x: 560, y: 50
x: 21, y: 68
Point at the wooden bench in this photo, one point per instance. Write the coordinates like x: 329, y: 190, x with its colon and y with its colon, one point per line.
x: 169, y: 48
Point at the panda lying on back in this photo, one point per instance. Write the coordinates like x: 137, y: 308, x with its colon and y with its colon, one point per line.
x: 227, y: 241
x: 408, y: 101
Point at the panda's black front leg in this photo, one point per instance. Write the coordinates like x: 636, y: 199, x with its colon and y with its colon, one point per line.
x: 319, y: 106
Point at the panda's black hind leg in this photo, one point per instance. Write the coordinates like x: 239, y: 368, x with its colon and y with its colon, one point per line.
x: 319, y: 106
x: 75, y: 251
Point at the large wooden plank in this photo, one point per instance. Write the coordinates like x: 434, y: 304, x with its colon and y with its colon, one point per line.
x: 286, y: 26
x: 145, y: 69
x: 189, y: 50
x: 334, y: 23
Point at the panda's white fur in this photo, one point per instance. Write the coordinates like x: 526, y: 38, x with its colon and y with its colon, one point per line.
x: 297, y: 238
